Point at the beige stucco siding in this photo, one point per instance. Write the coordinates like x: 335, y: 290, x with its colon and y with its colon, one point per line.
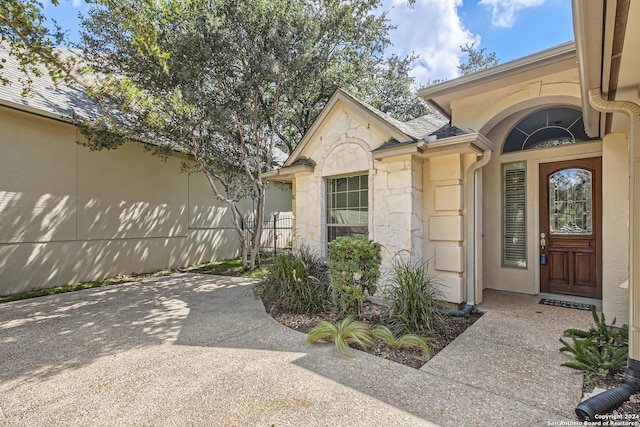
x: 68, y: 214
x: 123, y: 193
x: 484, y: 111
x: 34, y: 156
x: 615, y: 227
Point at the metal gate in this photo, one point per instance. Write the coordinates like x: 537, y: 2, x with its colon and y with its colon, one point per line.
x: 277, y: 232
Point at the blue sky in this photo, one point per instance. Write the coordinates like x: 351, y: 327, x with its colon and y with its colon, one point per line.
x: 435, y: 29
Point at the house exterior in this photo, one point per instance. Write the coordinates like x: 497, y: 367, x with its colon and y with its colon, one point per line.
x: 528, y: 180
x: 68, y: 214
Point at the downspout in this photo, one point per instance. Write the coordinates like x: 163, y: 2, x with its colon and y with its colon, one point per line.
x: 470, y: 235
x: 609, y: 400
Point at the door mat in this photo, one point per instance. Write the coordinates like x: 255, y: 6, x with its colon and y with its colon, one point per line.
x: 565, y: 304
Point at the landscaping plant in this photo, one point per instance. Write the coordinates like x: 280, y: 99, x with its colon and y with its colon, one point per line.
x: 600, y: 351
x: 385, y: 335
x: 354, y: 268
x: 348, y: 331
x: 413, y: 297
x: 296, y: 282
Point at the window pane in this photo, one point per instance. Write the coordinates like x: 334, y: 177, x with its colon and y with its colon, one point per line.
x: 364, y: 198
x: 341, y: 184
x: 514, y: 232
x: 347, y: 201
x: 570, y: 202
x: 354, y: 183
x: 354, y: 199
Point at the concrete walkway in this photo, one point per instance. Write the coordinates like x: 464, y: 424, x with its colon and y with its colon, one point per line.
x: 197, y: 350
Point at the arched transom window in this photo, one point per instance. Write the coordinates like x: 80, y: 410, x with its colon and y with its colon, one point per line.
x: 547, y: 128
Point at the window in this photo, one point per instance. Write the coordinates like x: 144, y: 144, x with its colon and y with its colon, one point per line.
x: 547, y: 128
x: 347, y: 206
x: 514, y: 221
x: 570, y: 202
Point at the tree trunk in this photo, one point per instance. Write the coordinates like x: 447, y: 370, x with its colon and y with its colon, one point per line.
x: 245, y: 256
x: 257, y: 230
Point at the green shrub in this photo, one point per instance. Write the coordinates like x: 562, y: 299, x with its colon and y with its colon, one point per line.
x: 354, y: 268
x: 296, y: 282
x: 600, y: 351
x: 385, y: 335
x: 413, y: 297
x: 349, y: 331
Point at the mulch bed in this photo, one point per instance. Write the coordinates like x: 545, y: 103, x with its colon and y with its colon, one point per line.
x: 630, y: 407
x: 373, y: 315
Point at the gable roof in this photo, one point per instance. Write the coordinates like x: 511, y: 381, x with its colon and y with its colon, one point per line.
x: 433, y: 124
x: 60, y: 102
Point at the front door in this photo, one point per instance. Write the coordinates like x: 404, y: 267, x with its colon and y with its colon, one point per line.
x: 570, y: 227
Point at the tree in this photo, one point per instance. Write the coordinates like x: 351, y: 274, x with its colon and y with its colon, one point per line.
x: 232, y: 80
x: 31, y: 42
x: 222, y: 82
x: 391, y: 90
x: 27, y: 37
x: 477, y: 59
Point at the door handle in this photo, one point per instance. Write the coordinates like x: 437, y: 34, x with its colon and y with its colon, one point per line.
x: 543, y: 244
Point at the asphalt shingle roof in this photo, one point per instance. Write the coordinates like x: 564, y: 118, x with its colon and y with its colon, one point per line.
x: 59, y: 100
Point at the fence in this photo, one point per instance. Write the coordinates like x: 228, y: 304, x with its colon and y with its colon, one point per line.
x: 277, y: 233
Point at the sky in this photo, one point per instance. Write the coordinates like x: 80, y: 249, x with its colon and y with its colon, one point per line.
x: 435, y: 29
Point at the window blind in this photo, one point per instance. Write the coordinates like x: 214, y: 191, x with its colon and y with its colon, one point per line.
x: 514, y: 221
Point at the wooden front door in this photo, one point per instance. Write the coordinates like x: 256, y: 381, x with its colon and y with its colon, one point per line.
x: 570, y: 227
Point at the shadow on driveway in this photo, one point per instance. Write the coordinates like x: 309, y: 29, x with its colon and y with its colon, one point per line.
x: 196, y: 349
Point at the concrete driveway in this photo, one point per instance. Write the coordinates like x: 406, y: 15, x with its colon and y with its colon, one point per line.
x: 195, y: 349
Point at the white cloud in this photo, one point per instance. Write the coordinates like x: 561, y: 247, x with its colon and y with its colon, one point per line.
x: 433, y: 30
x: 503, y: 12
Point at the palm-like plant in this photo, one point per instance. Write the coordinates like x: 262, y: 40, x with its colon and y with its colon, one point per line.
x: 406, y: 341
x: 349, y: 331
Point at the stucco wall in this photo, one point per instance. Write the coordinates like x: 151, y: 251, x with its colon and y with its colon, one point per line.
x: 69, y: 215
x: 615, y: 228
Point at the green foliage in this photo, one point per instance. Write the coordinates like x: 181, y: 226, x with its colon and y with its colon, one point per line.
x: 390, y: 90
x: 413, y: 297
x: 477, y: 59
x: 384, y: 334
x: 296, y: 282
x: 349, y: 331
x: 232, y: 81
x: 601, y: 350
x: 354, y: 268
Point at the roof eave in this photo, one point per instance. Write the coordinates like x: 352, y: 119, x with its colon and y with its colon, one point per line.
x: 35, y: 111
x: 558, y: 58
x: 398, y: 150
x: 287, y: 173
x: 471, y: 143
x: 588, y: 30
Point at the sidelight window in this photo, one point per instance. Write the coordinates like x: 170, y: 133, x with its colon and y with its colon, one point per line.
x: 514, y: 212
